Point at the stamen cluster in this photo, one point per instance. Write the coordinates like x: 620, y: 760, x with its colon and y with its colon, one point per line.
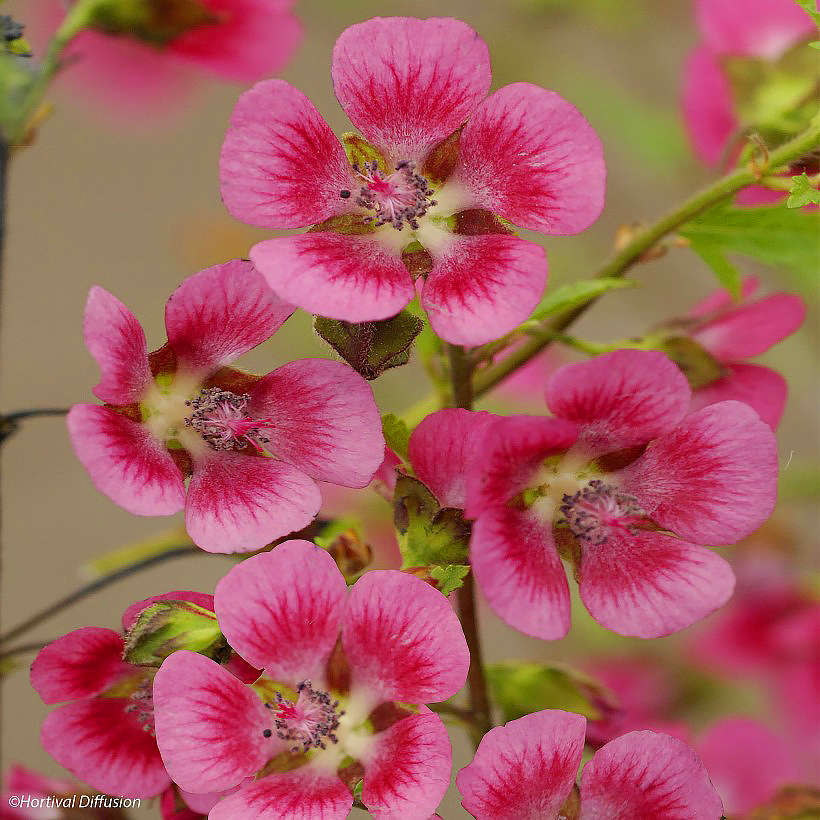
x: 142, y: 702
x: 596, y: 508
x: 310, y: 721
x: 219, y: 417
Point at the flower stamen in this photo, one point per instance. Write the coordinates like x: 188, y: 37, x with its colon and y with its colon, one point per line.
x: 220, y: 417
x: 311, y: 720
x: 597, y: 509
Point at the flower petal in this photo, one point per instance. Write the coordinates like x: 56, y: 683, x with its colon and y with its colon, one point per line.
x: 326, y: 421
x: 240, y: 503
x: 751, y: 329
x: 78, y: 665
x: 402, y: 639
x: 282, y: 610
x: 649, y: 584
x: 221, y: 313
x: 524, y: 769
x: 441, y: 451
x: 509, y: 455
x: 408, y: 83
x: 115, y: 339
x: 764, y: 390
x: 483, y: 287
x: 713, y: 479
x: 209, y: 725
x: 722, y: 299
x: 281, y: 165
x: 306, y: 793
x: 409, y: 771
x: 531, y: 157
x: 647, y: 775
x: 518, y: 569
x: 129, y: 617
x: 125, y: 461
x: 107, y: 747
x: 621, y: 399
x: 343, y: 277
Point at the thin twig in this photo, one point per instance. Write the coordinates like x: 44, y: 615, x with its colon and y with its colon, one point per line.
x: 10, y: 422
x: 22, y: 649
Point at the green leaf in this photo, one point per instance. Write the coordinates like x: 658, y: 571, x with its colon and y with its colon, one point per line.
x: 450, y: 577
x: 810, y: 6
x: 771, y: 233
x: 370, y: 348
x: 521, y: 687
x: 428, y: 534
x: 576, y: 294
x: 727, y: 274
x: 396, y: 435
x: 802, y: 192
x: 168, y: 626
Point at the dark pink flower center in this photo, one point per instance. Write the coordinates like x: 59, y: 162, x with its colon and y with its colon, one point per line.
x: 141, y: 704
x: 311, y: 720
x: 396, y: 198
x: 597, y: 509
x: 220, y: 417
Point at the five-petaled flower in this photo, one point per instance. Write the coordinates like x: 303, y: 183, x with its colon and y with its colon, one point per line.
x: 526, y: 770
x: 423, y: 197
x: 253, y: 446
x: 626, y: 485
x: 329, y: 709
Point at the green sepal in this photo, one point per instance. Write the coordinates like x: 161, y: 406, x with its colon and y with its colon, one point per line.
x: 802, y: 192
x: 168, y: 626
x: 345, y: 224
x: 396, y: 435
x: 370, y: 348
x: 156, y: 23
x: 360, y: 152
x: 697, y: 364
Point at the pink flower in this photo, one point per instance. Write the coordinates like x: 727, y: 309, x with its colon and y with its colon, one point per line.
x: 625, y: 484
x: 105, y: 735
x: 330, y: 709
x: 732, y: 332
x: 245, y: 41
x: 23, y: 783
x: 526, y: 770
x: 254, y: 447
x: 423, y: 199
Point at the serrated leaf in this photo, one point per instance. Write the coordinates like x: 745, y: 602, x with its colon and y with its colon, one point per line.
x: 450, y: 577
x: 770, y: 233
x: 572, y: 295
x: 370, y: 348
x: 396, y: 435
x: 725, y: 272
x: 802, y: 192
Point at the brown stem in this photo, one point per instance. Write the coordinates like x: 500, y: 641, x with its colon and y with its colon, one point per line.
x: 10, y: 422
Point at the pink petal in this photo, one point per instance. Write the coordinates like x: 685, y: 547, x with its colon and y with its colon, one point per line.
x: 442, y: 448
x: 27, y: 781
x: 78, y: 665
x: 647, y: 776
x: 483, y: 287
x: 409, y: 772
x: 403, y: 640
x: 209, y: 725
x: 105, y: 746
x: 758, y: 195
x: 129, y: 617
x: 281, y: 165
x: 306, y: 793
x: 531, y: 157
x: 342, y: 277
x: 240, y: 503
x: 254, y: 41
x: 510, y: 454
x: 622, y: 399
x: 325, y: 420
x: 282, y: 610
x: 747, y: 762
x: 125, y: 461
x: 524, y: 769
x: 649, y: 584
x: 748, y: 330
x: 518, y: 569
x: 764, y: 390
x: 721, y: 298
x: 407, y: 83
x: 115, y: 339
x: 766, y: 28
x: 708, y: 108
x: 221, y: 313
x: 713, y: 479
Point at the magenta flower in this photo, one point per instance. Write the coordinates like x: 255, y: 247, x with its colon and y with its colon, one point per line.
x: 526, y: 770
x: 329, y: 710
x: 625, y: 484
x: 240, y: 41
x: 524, y: 154
x: 105, y: 735
x: 253, y: 447
x: 733, y: 332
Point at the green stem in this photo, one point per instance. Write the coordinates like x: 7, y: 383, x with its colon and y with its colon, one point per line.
x: 620, y: 262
